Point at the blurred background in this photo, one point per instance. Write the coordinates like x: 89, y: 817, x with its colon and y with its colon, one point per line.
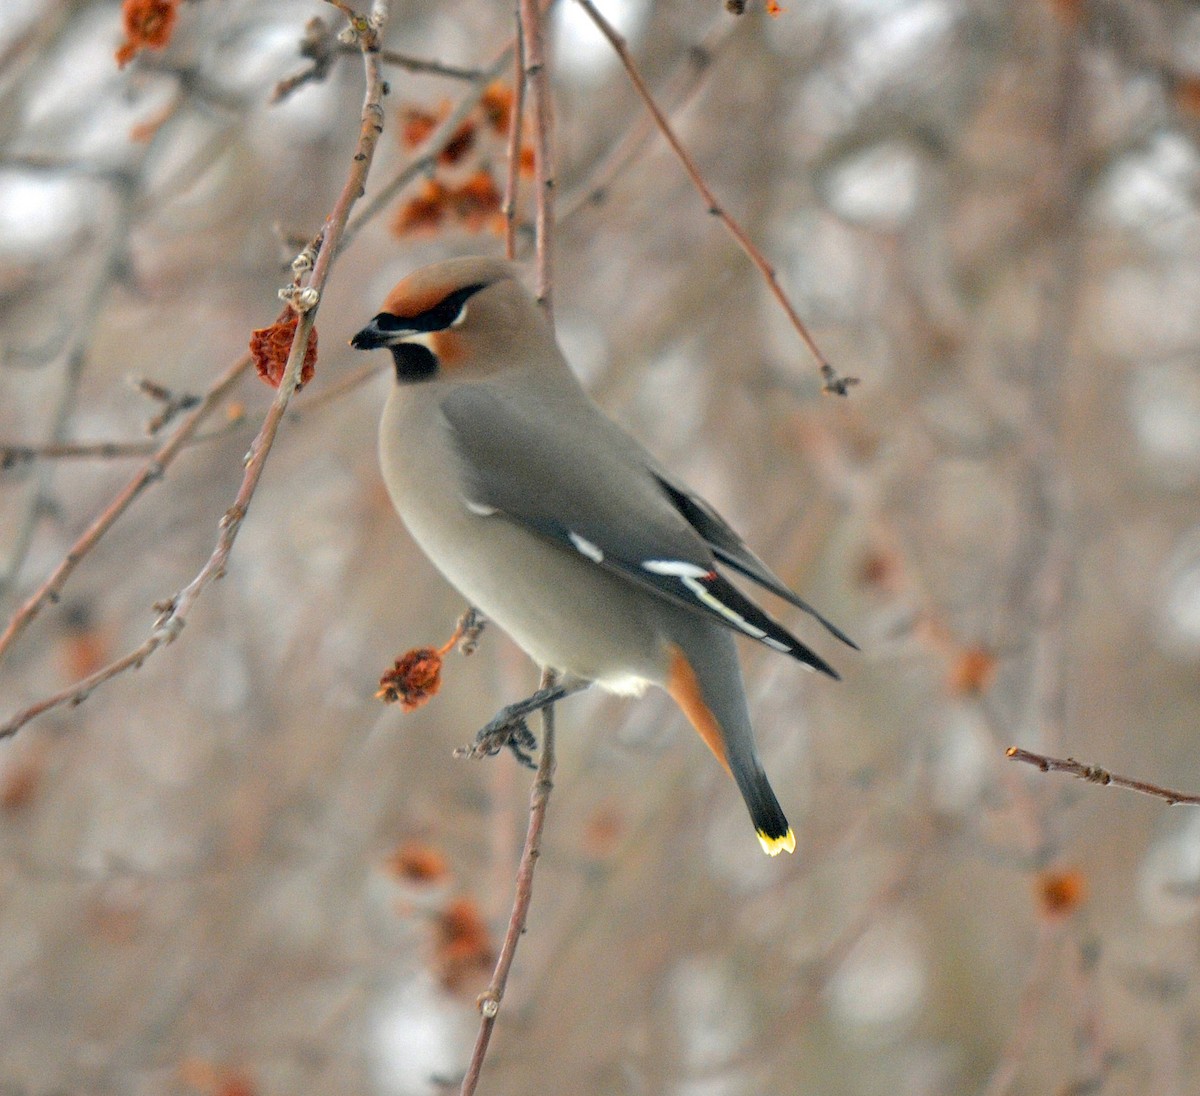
x: 234, y: 872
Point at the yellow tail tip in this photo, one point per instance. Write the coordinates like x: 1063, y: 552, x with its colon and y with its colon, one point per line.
x: 773, y: 846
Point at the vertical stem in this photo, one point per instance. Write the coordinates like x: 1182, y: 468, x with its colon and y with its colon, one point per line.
x: 539, y: 83
x: 512, y: 182
x: 539, y: 799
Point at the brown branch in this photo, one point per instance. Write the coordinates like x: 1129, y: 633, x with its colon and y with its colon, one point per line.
x: 834, y: 383
x: 539, y: 799
x: 543, y: 163
x: 1093, y: 774
x: 513, y: 175
x: 306, y: 301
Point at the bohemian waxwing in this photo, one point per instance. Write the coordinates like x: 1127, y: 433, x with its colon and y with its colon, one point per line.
x: 557, y: 524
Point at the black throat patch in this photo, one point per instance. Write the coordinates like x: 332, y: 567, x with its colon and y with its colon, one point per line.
x: 414, y: 362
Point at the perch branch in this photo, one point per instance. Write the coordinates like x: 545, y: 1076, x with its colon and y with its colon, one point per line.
x: 489, y: 1000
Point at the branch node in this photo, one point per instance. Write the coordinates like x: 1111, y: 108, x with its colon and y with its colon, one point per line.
x: 167, y: 628
x: 834, y: 384
x: 303, y: 262
x: 489, y: 1005
x: 301, y: 299
x: 232, y: 516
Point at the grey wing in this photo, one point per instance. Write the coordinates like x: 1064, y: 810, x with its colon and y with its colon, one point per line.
x: 730, y: 549
x: 589, y: 487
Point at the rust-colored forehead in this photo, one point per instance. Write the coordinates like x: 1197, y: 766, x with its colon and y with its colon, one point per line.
x: 411, y: 298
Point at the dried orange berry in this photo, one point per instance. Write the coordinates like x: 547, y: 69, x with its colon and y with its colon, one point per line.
x: 414, y: 679
x: 463, y: 948
x: 459, y: 144
x: 1061, y: 893
x: 1186, y: 93
x: 497, y: 107
x: 417, y: 863
x: 148, y: 25
x: 416, y: 125
x: 425, y: 213
x: 477, y: 201
x: 972, y: 672
x: 270, y: 347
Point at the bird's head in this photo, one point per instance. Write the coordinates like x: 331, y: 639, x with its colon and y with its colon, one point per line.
x: 463, y: 316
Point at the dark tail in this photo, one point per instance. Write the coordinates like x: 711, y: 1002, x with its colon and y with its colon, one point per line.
x: 705, y: 680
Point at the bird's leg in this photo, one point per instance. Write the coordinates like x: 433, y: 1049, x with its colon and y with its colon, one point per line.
x: 508, y: 727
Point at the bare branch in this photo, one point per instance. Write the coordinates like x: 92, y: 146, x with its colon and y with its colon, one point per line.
x: 1093, y: 774
x: 174, y: 612
x: 834, y: 383
x: 151, y: 472
x: 489, y: 1000
x: 427, y: 67
x: 513, y: 174
x: 543, y: 163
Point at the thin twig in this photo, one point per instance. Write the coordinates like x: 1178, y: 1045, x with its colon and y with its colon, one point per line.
x: 543, y: 160
x: 174, y: 613
x: 437, y: 140
x: 150, y: 473
x: 320, y: 45
x: 13, y: 455
x: 600, y: 177
x: 539, y: 799
x: 336, y: 391
x: 834, y: 383
x: 425, y: 67
x: 1029, y: 1010
x: 73, y: 355
x: 1093, y: 774
x: 513, y: 175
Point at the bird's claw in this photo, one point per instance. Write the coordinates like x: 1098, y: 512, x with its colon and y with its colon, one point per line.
x: 506, y: 731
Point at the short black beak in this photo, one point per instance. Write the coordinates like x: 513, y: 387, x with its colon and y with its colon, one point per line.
x: 372, y: 337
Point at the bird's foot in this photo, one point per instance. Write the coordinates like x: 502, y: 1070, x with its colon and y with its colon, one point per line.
x: 506, y: 731
x: 509, y: 729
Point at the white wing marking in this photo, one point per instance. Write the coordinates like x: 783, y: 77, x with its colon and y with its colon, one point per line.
x: 586, y: 547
